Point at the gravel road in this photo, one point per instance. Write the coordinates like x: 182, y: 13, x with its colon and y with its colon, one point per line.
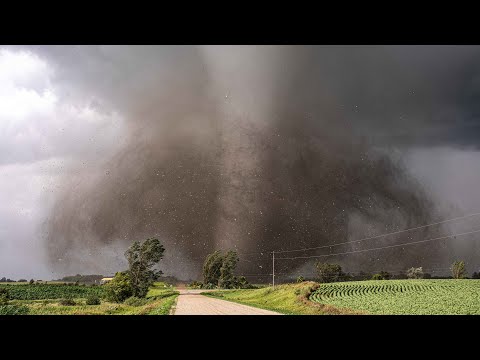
x: 190, y: 302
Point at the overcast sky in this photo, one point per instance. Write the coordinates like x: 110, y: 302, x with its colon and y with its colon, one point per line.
x: 65, y: 110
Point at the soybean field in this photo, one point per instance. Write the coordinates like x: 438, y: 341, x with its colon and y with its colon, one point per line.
x: 51, y: 291
x: 419, y: 297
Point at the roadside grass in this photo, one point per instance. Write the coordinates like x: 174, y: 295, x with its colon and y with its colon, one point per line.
x: 290, y: 299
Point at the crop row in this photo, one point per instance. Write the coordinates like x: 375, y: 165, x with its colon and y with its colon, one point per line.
x: 403, y: 296
x: 51, y: 291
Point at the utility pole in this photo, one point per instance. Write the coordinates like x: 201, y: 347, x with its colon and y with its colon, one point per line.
x: 273, y: 267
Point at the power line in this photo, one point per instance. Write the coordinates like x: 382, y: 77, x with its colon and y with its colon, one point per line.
x: 378, y: 236
x: 357, y: 273
x: 379, y: 248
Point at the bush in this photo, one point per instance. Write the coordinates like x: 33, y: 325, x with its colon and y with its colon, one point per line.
x: 377, y: 277
x: 3, y: 300
x: 135, y: 301
x: 300, y: 279
x: 4, y: 296
x: 119, y: 288
x: 92, y: 300
x: 23, y: 280
x: 67, y: 302
x: 13, y: 310
x: 31, y: 281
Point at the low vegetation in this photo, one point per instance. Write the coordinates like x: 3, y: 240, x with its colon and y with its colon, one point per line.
x: 285, y: 299
x: 420, y: 297
x: 158, y: 301
x: 50, y: 291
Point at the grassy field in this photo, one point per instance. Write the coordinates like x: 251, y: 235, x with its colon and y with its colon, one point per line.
x: 160, y: 299
x: 285, y: 299
x: 419, y: 297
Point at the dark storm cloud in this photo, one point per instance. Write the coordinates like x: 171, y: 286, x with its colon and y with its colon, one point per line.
x: 285, y: 158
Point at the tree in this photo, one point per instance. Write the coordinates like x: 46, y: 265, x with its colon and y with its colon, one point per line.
x: 142, y: 257
x: 119, y: 288
x: 329, y: 272
x: 227, y: 279
x: 31, y: 281
x: 476, y: 275
x: 415, y: 273
x: 211, y: 269
x: 4, y: 279
x: 458, y: 270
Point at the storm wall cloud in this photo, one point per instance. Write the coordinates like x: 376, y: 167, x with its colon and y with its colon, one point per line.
x: 257, y: 148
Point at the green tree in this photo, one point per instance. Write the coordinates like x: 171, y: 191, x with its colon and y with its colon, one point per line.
x: 119, y: 288
x: 458, y: 270
x: 142, y: 257
x: 329, y: 272
x: 227, y: 279
x: 415, y: 273
x: 211, y: 269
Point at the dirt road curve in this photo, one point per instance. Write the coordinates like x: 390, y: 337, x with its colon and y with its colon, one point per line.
x: 190, y: 302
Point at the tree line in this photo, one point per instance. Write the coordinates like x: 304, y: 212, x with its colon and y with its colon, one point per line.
x: 328, y: 272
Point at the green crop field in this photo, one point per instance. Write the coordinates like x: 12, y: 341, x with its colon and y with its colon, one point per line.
x: 51, y: 291
x: 45, y: 299
x: 420, y: 297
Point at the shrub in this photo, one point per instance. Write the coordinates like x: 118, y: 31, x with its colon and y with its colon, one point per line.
x: 377, y: 277
x: 67, y: 302
x: 13, y: 310
x: 135, y: 301
x: 300, y: 279
x: 119, y: 288
x: 92, y: 300
x: 31, y: 281
x: 4, y: 296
